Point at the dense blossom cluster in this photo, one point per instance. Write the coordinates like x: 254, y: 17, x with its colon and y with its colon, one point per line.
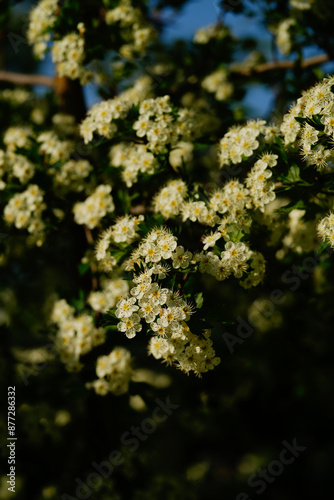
x: 53, y: 148
x: 309, y: 125
x: 112, y: 291
x: 217, y: 83
x: 169, y: 200
x: 101, y: 117
x: 69, y: 54
x: 142, y: 272
x: 240, y: 142
x: 41, y: 19
x: 15, y: 165
x: 133, y: 159
x: 24, y: 210
x: 76, y: 335
x: 71, y: 174
x: 165, y: 311
x: 133, y: 28
x: 114, y: 372
x: 326, y: 229
x: 160, y: 127
x: 95, y: 207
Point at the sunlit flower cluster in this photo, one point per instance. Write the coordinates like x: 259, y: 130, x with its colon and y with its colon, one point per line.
x: 157, y: 124
x: 311, y: 121
x: 165, y: 312
x: 240, y: 142
x: 169, y: 200
x: 15, y: 165
x: 100, y: 117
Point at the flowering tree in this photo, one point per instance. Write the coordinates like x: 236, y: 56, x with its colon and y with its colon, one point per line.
x: 148, y: 236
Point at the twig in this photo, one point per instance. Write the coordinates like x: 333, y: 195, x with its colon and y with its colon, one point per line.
x: 278, y: 65
x: 22, y: 79
x: 90, y: 241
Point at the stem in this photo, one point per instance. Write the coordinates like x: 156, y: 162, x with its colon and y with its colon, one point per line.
x: 22, y: 79
x: 274, y: 65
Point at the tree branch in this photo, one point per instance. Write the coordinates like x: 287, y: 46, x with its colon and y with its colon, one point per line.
x: 278, y: 65
x: 22, y: 79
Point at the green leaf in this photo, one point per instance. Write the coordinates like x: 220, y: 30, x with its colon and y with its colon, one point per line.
x: 282, y: 150
x: 300, y: 205
x: 293, y: 174
x: 199, y: 300
x: 83, y: 268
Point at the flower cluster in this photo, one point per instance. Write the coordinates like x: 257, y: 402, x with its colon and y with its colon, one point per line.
x: 166, y: 313
x: 133, y: 28
x: 69, y: 55
x: 134, y: 159
x: 71, y: 174
x: 301, y: 236
x: 53, y: 148
x: 95, y: 207
x: 100, y: 117
x: 240, y: 142
x: 210, y: 32
x: 15, y: 165
x: 218, y: 84
x: 301, y: 4
x: 24, y: 210
x: 311, y: 120
x: 18, y: 137
x: 186, y: 351
x: 112, y: 291
x: 326, y: 229
x: 123, y: 231
x: 158, y: 125
x: 260, y: 189
x: 181, y: 154
x: 114, y: 373
x: 16, y: 97
x: 76, y: 335
x: 41, y: 19
x: 283, y: 35
x: 169, y: 200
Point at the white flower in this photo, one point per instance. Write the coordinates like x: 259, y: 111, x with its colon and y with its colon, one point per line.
x: 210, y: 239
x: 181, y: 258
x: 126, y: 307
x: 130, y: 326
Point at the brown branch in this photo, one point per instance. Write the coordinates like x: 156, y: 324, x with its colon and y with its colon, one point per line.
x: 22, y: 79
x: 278, y: 65
x: 93, y: 268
